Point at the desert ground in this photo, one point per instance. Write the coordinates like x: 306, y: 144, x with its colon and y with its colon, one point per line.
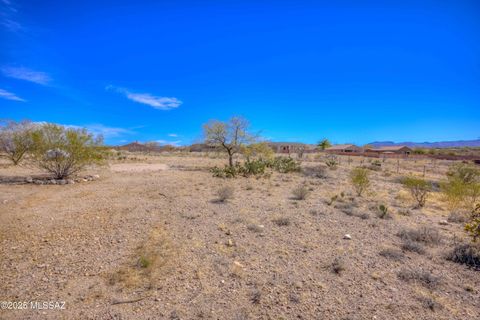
x: 149, y: 239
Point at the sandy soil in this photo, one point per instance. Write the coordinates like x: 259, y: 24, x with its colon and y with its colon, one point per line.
x: 147, y: 242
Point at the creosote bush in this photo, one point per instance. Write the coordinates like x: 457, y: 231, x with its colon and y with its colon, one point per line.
x: 462, y: 188
x: 300, y: 192
x: 360, y: 180
x: 225, y: 193
x: 419, y: 189
x: 420, y: 276
x: 466, y: 253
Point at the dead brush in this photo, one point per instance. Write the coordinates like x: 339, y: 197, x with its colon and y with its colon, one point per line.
x: 301, y: 192
x: 150, y: 261
x: 338, y: 265
x: 419, y: 276
x: 467, y: 254
x: 426, y: 235
x: 225, y: 193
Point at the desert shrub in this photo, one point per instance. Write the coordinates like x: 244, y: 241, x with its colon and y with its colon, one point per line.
x: 427, y: 235
x: 466, y: 253
x: 65, y: 151
x: 284, y: 165
x: 359, y: 179
x: 391, y: 254
x: 473, y: 226
x: 421, y: 276
x: 225, y: 193
x: 382, y: 212
x: 419, y: 189
x: 462, y: 188
x: 457, y: 217
x: 332, y: 162
x: 300, y: 192
x: 16, y: 140
x: 281, y: 221
x: 253, y: 168
x: 338, y: 265
x: 464, y: 172
x: 412, y: 246
x: 429, y: 303
x: 317, y: 172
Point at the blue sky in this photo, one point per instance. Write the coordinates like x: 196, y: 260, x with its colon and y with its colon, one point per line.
x: 351, y: 71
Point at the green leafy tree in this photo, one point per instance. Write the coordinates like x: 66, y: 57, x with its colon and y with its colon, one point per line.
x: 64, y: 151
x: 228, y: 136
x: 324, y: 144
x: 15, y: 140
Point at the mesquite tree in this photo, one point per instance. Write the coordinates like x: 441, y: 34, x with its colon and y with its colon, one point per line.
x: 63, y: 151
x: 229, y: 136
x: 15, y: 139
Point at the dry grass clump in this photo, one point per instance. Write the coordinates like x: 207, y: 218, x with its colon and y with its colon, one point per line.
x: 282, y: 221
x: 338, y: 265
x: 300, y: 192
x: 225, y: 193
x: 412, y: 246
x: 419, y: 276
x: 468, y: 254
x: 316, y: 172
x: 429, y: 303
x: 392, y: 254
x: 426, y: 235
x: 149, y: 262
x: 457, y: 217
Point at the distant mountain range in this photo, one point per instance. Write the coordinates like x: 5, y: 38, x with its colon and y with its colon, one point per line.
x: 440, y: 144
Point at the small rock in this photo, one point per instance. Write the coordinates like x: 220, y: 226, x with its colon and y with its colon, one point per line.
x: 229, y: 243
x: 443, y: 222
x: 70, y: 181
x: 347, y: 237
x: 62, y: 181
x: 28, y: 179
x: 52, y: 181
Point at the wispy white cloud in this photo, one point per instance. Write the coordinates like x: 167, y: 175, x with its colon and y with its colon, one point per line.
x: 173, y: 135
x: 157, y: 102
x: 8, y: 15
x: 100, y: 129
x: 167, y: 142
x: 10, y: 96
x: 27, y: 75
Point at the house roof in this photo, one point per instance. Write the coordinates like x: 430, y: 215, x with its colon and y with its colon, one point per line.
x: 342, y: 147
x: 388, y: 148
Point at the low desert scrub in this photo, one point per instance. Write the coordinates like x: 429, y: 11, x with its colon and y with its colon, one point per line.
x: 466, y: 253
x: 462, y: 188
x: 301, y: 192
x: 338, y: 265
x: 412, y: 246
x: 149, y: 263
x: 473, y: 225
x: 457, y: 217
x: 419, y: 276
x: 360, y: 180
x: 429, y: 303
x: 316, y: 172
x: 281, y: 221
x: 383, y: 212
x: 284, y: 165
x: 225, y: 193
x: 332, y: 162
x: 419, y: 189
x: 426, y: 235
x: 392, y: 254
